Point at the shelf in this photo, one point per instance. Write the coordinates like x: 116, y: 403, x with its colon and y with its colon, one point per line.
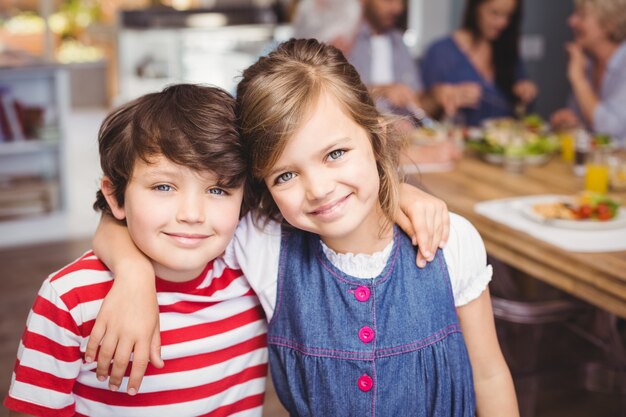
x: 32, y: 171
x: 27, y: 146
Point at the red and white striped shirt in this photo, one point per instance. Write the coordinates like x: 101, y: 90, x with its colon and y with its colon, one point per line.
x: 213, y: 335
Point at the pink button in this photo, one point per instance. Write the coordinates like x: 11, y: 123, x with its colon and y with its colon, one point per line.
x: 365, y: 383
x: 362, y: 293
x: 366, y: 334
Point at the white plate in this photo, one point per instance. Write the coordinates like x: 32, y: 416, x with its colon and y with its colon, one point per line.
x: 497, y: 159
x: 526, y: 208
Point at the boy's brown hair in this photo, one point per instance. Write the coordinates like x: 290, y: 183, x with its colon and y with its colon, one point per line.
x: 279, y: 91
x: 191, y: 125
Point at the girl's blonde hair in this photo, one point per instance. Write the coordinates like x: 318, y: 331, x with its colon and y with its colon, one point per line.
x: 279, y: 91
x: 611, y: 13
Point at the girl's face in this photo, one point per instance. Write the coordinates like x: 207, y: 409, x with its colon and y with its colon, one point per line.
x: 588, y: 30
x: 494, y: 16
x: 326, y: 180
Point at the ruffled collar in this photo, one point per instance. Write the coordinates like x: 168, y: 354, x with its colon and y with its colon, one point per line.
x: 359, y: 265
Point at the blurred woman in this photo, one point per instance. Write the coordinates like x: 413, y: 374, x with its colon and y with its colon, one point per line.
x: 597, y: 69
x: 483, y: 58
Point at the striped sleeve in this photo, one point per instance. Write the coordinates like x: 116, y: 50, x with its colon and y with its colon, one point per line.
x: 48, y: 359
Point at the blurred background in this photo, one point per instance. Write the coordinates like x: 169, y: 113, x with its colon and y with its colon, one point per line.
x: 66, y: 62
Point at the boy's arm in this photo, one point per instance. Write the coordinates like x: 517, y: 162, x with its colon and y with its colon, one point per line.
x: 495, y: 393
x: 128, y: 320
x: 426, y: 219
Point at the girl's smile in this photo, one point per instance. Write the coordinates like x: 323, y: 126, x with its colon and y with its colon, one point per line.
x: 332, y: 210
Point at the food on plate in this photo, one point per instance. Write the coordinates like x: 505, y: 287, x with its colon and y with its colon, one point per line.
x: 586, y: 206
x: 554, y: 210
x: 506, y: 136
x: 426, y: 135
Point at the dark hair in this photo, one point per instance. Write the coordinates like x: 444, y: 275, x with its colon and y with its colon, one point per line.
x: 505, y: 48
x: 191, y: 125
x: 278, y: 92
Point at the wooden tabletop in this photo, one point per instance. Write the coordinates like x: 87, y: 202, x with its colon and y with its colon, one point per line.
x: 598, y: 278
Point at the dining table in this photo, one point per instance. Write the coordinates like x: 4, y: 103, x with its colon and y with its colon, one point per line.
x: 597, y: 278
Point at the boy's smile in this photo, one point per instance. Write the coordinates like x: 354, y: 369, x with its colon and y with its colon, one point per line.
x: 180, y: 218
x: 326, y: 180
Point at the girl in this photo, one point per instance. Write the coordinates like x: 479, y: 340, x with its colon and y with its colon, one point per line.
x: 482, y: 58
x: 355, y: 328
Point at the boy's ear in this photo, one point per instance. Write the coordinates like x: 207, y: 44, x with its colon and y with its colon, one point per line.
x: 106, y: 186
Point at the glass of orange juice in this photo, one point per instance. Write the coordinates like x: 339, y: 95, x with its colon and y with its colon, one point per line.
x: 567, y: 145
x: 597, y: 172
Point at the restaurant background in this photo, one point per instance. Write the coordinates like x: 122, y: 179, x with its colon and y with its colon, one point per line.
x: 67, y: 62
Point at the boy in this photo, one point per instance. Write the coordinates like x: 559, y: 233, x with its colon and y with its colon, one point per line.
x: 174, y: 171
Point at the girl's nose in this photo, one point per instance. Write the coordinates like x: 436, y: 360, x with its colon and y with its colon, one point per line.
x: 319, y: 187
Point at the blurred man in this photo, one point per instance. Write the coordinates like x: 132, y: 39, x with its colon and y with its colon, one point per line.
x: 388, y: 69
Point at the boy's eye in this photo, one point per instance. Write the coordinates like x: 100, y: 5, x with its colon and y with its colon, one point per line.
x: 282, y: 178
x: 217, y: 191
x: 336, y: 154
x: 163, y: 187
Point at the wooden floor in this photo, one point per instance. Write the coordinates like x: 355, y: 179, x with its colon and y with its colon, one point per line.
x: 23, y: 269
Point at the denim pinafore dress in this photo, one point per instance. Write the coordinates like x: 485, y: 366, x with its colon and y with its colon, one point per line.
x: 388, y: 346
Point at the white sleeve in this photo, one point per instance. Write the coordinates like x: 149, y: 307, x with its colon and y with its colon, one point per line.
x: 466, y: 259
x: 256, y: 251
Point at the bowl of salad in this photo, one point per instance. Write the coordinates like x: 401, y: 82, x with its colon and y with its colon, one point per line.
x: 527, y: 139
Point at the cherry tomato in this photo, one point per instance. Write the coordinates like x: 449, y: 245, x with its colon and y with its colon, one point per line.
x: 603, y: 212
x: 585, y: 211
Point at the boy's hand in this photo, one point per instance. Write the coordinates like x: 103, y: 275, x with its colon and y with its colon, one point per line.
x: 124, y: 327
x: 424, y: 218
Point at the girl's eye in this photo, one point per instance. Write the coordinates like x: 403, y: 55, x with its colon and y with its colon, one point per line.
x: 282, y: 178
x: 217, y: 191
x: 163, y: 187
x: 336, y: 154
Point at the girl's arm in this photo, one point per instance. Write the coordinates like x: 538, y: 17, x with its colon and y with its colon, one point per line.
x: 128, y: 320
x: 495, y: 393
x: 426, y: 219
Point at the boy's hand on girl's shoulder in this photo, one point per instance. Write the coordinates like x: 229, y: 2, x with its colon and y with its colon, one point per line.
x: 425, y: 219
x: 123, y: 328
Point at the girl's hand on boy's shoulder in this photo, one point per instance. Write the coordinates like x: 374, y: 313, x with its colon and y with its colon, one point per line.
x: 122, y: 328
x: 425, y: 219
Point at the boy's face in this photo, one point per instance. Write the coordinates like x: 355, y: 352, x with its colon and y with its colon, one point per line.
x: 177, y: 216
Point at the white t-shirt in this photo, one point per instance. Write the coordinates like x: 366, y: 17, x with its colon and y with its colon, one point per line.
x: 257, y: 253
x: 381, y: 60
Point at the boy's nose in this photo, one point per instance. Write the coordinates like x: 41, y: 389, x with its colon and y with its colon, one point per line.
x: 191, y: 209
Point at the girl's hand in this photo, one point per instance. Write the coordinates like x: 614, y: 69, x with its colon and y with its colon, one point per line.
x: 525, y: 90
x: 127, y: 323
x: 128, y: 320
x: 424, y: 218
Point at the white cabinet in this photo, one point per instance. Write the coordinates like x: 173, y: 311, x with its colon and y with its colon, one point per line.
x: 149, y: 59
x: 34, y: 106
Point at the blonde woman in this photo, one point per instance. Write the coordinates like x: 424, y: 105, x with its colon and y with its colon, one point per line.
x: 597, y: 58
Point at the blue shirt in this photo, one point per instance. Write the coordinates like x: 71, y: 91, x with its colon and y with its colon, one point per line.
x: 445, y: 62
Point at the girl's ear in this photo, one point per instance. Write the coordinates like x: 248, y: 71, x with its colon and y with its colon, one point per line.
x: 106, y: 186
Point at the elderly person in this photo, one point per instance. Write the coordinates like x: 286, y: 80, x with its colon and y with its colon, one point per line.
x: 483, y: 53
x: 597, y: 69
